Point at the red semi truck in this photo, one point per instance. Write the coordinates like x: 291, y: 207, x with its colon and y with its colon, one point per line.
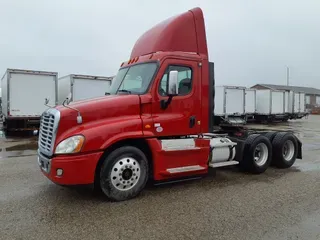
x: 156, y: 123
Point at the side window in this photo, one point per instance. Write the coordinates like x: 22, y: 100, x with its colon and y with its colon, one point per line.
x: 184, y: 80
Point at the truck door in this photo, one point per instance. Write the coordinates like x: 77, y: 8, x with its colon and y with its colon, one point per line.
x: 183, y: 115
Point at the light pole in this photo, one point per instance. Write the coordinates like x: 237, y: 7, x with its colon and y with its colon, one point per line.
x: 288, y: 75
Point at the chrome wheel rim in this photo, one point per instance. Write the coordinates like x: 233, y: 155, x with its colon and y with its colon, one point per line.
x: 260, y: 154
x: 288, y: 150
x: 125, y: 173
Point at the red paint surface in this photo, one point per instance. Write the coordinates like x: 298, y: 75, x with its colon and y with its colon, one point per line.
x: 162, y: 160
x: 174, y: 120
x: 105, y: 121
x: 109, y: 119
x: 184, y: 32
x: 77, y: 169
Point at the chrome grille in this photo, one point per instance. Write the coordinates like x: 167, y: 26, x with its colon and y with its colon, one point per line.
x: 48, y: 128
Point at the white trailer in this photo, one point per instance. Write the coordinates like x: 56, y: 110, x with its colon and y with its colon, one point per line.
x: 81, y: 87
x: 297, y: 105
x: 23, y: 97
x: 287, y: 101
x: 250, y: 101
x: 302, y: 103
x: 270, y: 105
x: 230, y: 104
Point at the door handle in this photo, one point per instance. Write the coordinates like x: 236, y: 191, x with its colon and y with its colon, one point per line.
x: 192, y: 121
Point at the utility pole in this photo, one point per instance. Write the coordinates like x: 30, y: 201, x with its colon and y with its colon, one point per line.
x: 288, y: 76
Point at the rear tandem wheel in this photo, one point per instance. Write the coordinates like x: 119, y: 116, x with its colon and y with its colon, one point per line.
x: 257, y: 154
x: 285, y: 150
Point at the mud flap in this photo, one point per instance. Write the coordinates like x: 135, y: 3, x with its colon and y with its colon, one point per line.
x: 299, y: 156
x: 239, y: 148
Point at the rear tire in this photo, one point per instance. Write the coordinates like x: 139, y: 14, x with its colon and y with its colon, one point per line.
x: 270, y: 135
x: 285, y: 150
x: 124, y: 173
x: 257, y: 154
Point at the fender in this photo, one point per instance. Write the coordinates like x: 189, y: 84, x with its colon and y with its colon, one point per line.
x: 99, y: 135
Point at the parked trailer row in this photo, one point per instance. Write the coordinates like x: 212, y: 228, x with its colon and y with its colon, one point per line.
x: 275, y: 105
x: 237, y: 105
x: 24, y: 93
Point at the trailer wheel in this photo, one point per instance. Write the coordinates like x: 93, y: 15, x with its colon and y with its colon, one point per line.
x: 124, y: 173
x: 257, y: 154
x: 285, y: 150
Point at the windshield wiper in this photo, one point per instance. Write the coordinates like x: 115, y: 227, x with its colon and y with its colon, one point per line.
x: 124, y: 90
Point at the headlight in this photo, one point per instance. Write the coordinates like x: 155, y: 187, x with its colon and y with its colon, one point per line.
x: 70, y: 145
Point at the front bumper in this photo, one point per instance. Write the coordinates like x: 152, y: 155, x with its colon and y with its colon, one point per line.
x: 76, y: 169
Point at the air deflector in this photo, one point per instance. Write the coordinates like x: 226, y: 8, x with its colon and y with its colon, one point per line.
x: 184, y: 32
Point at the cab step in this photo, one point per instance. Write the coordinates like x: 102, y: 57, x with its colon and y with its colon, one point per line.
x: 223, y: 164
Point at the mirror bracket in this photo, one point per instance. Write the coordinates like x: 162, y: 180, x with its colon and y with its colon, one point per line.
x: 46, y: 102
x: 165, y: 103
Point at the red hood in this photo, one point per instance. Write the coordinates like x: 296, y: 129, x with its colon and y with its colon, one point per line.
x: 97, y: 109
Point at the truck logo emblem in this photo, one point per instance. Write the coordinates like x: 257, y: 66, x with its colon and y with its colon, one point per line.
x: 159, y: 129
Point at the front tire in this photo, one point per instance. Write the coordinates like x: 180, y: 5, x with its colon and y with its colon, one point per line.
x: 124, y: 173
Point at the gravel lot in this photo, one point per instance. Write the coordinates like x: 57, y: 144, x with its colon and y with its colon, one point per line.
x: 227, y: 204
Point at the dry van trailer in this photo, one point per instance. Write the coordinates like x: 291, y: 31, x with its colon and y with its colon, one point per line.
x: 81, y: 87
x: 271, y: 105
x: 250, y: 103
x: 297, y: 105
x: 24, y: 93
x: 229, y: 106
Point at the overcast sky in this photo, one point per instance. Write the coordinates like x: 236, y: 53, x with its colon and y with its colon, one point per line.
x: 250, y: 41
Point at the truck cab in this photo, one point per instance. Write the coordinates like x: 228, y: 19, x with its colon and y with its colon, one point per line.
x: 156, y: 122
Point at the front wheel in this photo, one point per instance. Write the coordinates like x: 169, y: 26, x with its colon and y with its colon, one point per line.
x: 124, y: 173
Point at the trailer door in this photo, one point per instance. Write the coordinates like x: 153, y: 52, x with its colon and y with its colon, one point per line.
x: 250, y: 106
x: 27, y: 93
x: 234, y: 101
x: 296, y: 103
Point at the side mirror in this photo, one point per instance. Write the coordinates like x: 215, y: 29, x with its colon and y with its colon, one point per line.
x: 173, y: 83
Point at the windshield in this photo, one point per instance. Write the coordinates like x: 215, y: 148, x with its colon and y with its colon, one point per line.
x: 135, y: 79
